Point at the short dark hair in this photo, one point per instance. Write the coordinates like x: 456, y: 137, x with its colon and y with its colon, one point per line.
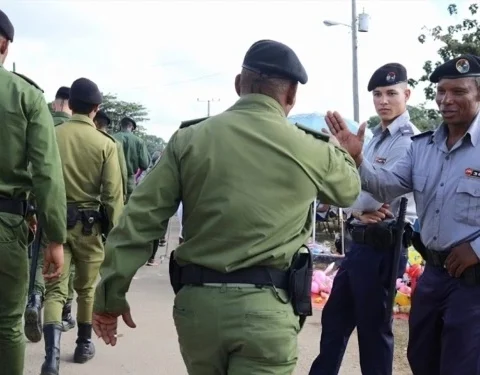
x: 124, y: 122
x: 102, y: 122
x: 254, y: 83
x: 82, y: 108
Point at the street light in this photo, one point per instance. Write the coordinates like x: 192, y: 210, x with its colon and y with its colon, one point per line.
x: 362, y: 22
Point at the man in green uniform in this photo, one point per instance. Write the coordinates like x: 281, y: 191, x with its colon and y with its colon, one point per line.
x: 136, y: 153
x: 91, y: 171
x: 33, y: 311
x: 27, y: 136
x: 102, y: 122
x: 247, y: 179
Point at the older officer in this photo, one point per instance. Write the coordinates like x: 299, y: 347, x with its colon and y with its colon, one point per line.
x: 33, y: 320
x: 91, y: 170
x: 359, y: 295
x: 136, y: 153
x: 247, y: 179
x: 102, y: 122
x: 27, y: 136
x: 442, y: 168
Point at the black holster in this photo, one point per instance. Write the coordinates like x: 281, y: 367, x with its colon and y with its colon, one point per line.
x: 175, y: 272
x: 104, y: 221
x: 87, y: 217
x: 300, y: 284
x: 418, y: 245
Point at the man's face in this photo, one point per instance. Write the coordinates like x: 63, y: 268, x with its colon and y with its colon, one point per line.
x: 390, y: 101
x: 458, y: 100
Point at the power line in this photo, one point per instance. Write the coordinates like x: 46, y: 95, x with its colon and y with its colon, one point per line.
x: 208, y: 101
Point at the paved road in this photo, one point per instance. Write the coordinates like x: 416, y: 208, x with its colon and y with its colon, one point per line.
x: 152, y: 348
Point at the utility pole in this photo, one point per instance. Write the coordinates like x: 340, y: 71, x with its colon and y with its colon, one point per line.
x: 356, y: 105
x: 208, y: 101
x: 14, y: 70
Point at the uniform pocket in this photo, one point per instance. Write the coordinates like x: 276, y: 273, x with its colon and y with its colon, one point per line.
x: 467, y: 202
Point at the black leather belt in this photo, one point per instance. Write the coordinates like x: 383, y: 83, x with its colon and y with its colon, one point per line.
x: 374, y: 235
x: 13, y: 206
x: 193, y: 274
x: 437, y: 259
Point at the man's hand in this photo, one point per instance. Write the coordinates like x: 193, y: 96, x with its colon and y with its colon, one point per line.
x: 460, y: 258
x: 105, y: 325
x: 376, y: 216
x: 53, y: 261
x: 332, y: 139
x: 349, y: 141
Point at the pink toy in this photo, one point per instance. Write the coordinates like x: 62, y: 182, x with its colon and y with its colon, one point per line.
x: 315, y: 287
x: 323, y: 280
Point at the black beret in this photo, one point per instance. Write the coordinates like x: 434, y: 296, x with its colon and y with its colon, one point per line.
x: 276, y: 60
x: 6, y: 27
x: 387, y: 75
x: 63, y: 93
x: 103, y: 115
x: 86, y: 91
x: 460, y: 67
x: 129, y: 119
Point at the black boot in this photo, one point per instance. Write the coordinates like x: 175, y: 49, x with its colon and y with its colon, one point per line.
x: 52, y: 334
x: 33, y: 318
x: 85, y: 349
x: 67, y: 319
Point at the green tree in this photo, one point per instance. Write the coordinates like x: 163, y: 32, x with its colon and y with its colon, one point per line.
x: 423, y: 118
x: 462, y: 38
x: 117, y: 109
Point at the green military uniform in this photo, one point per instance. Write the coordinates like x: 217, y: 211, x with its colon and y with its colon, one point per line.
x: 33, y: 320
x: 136, y: 155
x: 92, y: 177
x: 27, y: 136
x: 247, y: 179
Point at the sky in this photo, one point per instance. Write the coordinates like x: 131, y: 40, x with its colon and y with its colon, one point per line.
x: 172, y: 56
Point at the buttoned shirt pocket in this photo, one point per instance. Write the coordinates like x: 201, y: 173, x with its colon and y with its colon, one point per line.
x: 467, y: 201
x: 419, y: 183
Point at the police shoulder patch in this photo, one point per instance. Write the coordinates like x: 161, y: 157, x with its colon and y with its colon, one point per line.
x: 186, y: 124
x: 321, y: 136
x: 406, y: 129
x: 422, y: 135
x: 25, y: 78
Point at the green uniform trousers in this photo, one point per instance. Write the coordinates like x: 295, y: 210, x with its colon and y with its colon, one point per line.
x: 13, y: 292
x: 86, y: 253
x: 236, y: 330
x: 39, y: 285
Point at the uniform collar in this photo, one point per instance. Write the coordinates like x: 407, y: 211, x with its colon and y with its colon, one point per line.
x: 260, y: 101
x: 441, y: 133
x: 397, y: 124
x: 62, y: 114
x: 82, y: 118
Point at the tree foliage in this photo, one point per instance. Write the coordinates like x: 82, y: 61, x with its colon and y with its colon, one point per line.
x: 462, y: 38
x: 423, y: 118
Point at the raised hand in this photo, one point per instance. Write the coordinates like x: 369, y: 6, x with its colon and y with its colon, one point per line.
x: 353, y: 143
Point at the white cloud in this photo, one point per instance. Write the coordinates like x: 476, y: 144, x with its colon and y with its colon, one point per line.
x: 166, y: 54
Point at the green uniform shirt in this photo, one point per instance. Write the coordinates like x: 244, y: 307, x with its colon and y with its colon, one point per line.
x: 135, y: 150
x: 60, y: 117
x: 90, y: 166
x: 247, y: 179
x: 27, y: 136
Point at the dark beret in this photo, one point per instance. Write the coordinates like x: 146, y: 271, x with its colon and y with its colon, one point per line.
x: 388, y: 75
x: 101, y: 114
x: 461, y: 67
x: 276, y: 60
x: 127, y: 119
x: 86, y: 91
x: 63, y: 93
x: 6, y: 27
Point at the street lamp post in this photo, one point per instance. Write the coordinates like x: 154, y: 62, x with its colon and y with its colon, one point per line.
x: 359, y: 23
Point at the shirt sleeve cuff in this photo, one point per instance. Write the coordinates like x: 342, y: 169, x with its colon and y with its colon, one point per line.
x: 475, y: 244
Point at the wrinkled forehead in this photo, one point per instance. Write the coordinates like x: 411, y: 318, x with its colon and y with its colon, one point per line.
x: 465, y: 83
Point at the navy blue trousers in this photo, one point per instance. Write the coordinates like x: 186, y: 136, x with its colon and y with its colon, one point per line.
x: 359, y: 300
x: 444, y: 326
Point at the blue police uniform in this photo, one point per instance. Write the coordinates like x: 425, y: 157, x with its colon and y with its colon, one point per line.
x: 359, y: 294
x: 445, y: 315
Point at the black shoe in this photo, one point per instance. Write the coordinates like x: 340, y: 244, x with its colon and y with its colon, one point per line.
x: 33, y: 318
x: 67, y: 319
x: 52, y: 334
x: 85, y: 349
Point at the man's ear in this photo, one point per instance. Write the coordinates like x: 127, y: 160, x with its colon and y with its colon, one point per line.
x: 408, y: 92
x: 291, y: 96
x: 3, y: 45
x: 237, y: 84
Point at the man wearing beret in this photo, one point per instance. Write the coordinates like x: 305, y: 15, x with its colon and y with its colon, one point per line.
x: 232, y: 311
x: 442, y: 168
x: 28, y: 140
x: 102, y: 122
x: 33, y: 317
x: 92, y: 178
x: 359, y: 297
x: 136, y: 153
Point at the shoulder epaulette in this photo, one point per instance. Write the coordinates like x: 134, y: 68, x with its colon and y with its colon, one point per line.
x: 421, y: 135
x: 108, y: 136
x: 25, y: 78
x: 186, y: 124
x: 406, y: 129
x: 321, y: 136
